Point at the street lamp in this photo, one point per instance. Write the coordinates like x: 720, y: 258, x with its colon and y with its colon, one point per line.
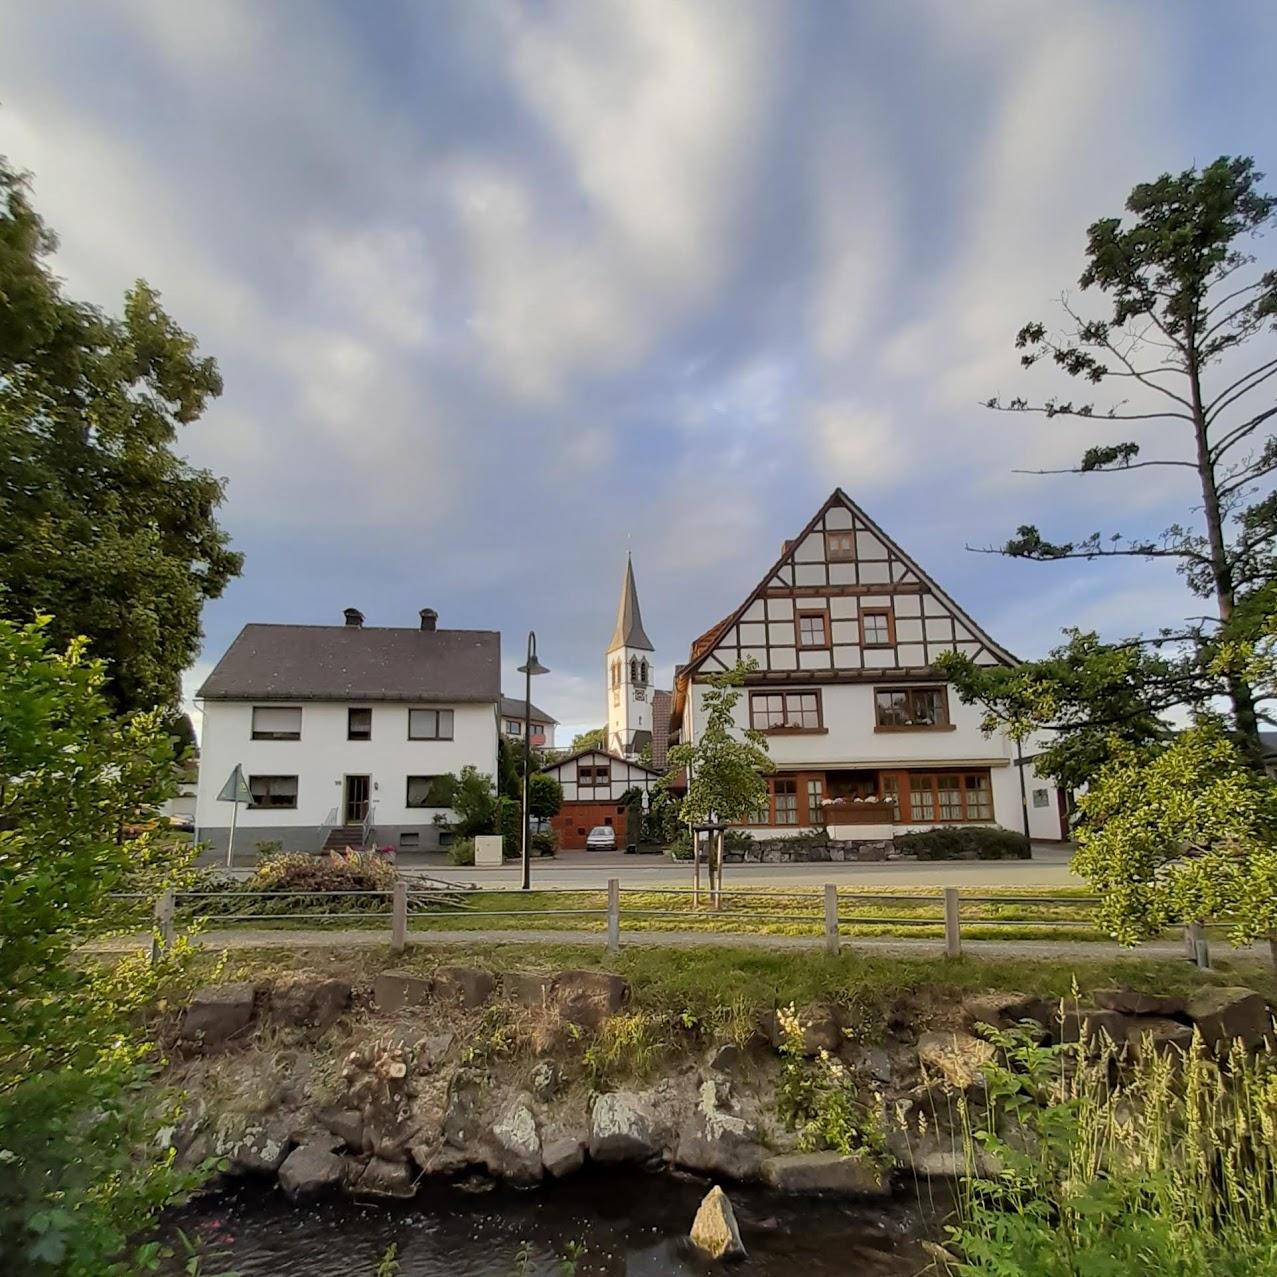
x: 533, y: 666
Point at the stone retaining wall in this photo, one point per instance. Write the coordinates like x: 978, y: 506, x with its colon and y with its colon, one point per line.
x: 785, y: 851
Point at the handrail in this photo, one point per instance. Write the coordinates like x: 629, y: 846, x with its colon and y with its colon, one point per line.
x: 365, y: 833
x: 327, y: 825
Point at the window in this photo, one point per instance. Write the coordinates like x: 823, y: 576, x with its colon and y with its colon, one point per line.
x: 950, y: 797
x: 592, y: 776
x: 891, y: 792
x: 840, y: 547
x: 359, y: 724
x: 877, y: 627
x: 277, y: 722
x: 815, y: 795
x: 634, y: 669
x: 513, y: 727
x: 785, y: 711
x: 409, y: 840
x: 428, y: 791
x: 917, y: 707
x: 272, y: 791
x: 643, y: 671
x: 429, y: 724
x: 813, y: 629
x: 784, y: 802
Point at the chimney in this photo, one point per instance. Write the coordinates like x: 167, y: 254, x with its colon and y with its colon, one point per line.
x: 429, y: 618
x: 354, y: 617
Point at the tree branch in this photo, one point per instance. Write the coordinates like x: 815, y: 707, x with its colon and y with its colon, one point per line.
x: 1143, y: 552
x: 1238, y: 433
x: 1237, y: 292
x: 1133, y: 465
x: 1049, y: 411
x: 1226, y: 397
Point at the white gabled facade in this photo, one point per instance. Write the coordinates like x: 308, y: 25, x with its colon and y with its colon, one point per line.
x: 843, y: 629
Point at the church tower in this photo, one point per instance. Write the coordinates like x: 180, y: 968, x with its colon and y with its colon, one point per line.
x: 629, y: 675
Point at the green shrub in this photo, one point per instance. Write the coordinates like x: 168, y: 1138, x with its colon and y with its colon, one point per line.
x: 738, y: 840
x: 511, y: 813
x: 965, y: 842
x: 269, y: 847
x: 544, y: 843
x: 461, y: 852
x: 681, y: 845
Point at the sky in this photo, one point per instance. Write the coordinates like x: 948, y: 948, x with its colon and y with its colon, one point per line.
x: 500, y: 291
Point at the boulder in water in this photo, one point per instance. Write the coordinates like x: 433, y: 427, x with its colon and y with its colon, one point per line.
x: 714, y: 1231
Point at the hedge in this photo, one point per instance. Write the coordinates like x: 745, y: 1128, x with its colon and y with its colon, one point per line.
x: 965, y: 842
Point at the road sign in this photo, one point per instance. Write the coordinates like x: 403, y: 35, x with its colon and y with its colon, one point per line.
x: 236, y: 788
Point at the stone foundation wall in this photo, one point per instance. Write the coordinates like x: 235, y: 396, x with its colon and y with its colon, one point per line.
x: 786, y: 851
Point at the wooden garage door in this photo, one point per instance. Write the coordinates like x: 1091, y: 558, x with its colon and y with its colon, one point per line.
x: 575, y: 821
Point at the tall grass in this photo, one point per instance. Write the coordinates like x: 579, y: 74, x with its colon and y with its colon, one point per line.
x: 1113, y: 1162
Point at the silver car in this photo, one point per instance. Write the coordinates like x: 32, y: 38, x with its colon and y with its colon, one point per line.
x: 601, y: 838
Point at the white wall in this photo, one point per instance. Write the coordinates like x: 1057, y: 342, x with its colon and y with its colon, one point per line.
x: 624, y: 776
x: 323, y: 756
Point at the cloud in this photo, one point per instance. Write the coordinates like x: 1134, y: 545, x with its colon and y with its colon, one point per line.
x: 855, y: 441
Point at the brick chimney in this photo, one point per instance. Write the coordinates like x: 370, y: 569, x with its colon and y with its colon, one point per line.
x: 354, y: 617
x: 429, y: 618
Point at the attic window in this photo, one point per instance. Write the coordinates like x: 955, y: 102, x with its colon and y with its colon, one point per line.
x: 840, y: 547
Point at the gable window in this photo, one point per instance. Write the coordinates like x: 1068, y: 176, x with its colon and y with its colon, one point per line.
x: 840, y: 547
x: 593, y: 776
x: 428, y: 791
x: 429, y: 724
x: 277, y: 722
x: 950, y: 797
x: 785, y: 711
x: 911, y: 707
x: 514, y: 727
x: 813, y: 629
x: 877, y: 627
x: 272, y: 791
x: 359, y: 724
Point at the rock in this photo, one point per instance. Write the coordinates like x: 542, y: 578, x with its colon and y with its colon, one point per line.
x: 587, y: 998
x: 1159, y: 1033
x: 469, y: 987
x: 622, y: 1129
x: 460, y: 1119
x: 432, y: 1048
x: 726, y: 1058
x: 309, y: 1000
x: 854, y: 1176
x: 518, y: 1145
x: 872, y: 1061
x: 1225, y: 1014
x: 714, y: 1230
x: 218, y: 1012
x: 347, y: 1125
x: 385, y: 1178
x: 717, y: 1141
x: 562, y: 1157
x: 957, y: 1057
x: 309, y: 1170
x: 394, y: 990
x: 446, y: 1160
x: 260, y: 1151
x: 820, y: 1027
x: 527, y: 988
x: 1005, y: 1010
x: 936, y: 1155
x: 1131, y: 1002
x: 1096, y: 1026
x: 546, y: 1081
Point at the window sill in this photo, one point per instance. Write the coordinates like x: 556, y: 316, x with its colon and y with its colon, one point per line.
x: 794, y: 731
x: 444, y: 739
x: 258, y: 736
x: 916, y: 727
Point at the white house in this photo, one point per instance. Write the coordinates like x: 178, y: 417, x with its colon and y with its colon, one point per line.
x: 844, y: 627
x: 594, y: 782
x: 342, y: 731
x: 540, y: 725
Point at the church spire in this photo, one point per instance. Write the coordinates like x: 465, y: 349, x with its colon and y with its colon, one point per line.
x: 629, y: 630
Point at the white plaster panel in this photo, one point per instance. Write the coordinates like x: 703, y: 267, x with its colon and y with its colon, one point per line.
x: 810, y: 574
x: 780, y: 609
x: 838, y: 517
x: 783, y: 578
x: 908, y: 629
x: 843, y: 605
x: 908, y: 605
x: 756, y: 611
x: 911, y: 653
x: 811, y: 549
x: 869, y: 546
x: 784, y: 658
x: 842, y: 574
x: 938, y: 628
x: 758, y: 654
x: 880, y: 658
x: 845, y: 631
x: 752, y: 632
x: 809, y: 659
x: 780, y: 632
x: 847, y: 657
x: 874, y: 573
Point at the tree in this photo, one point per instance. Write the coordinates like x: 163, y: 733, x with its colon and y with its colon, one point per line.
x: 75, y: 1185
x: 545, y: 796
x: 473, y: 799
x: 1183, y: 833
x: 1190, y: 331
x: 102, y: 525
x: 725, y: 768
x: 596, y: 738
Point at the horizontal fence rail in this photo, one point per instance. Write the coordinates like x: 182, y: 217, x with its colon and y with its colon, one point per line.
x: 833, y: 912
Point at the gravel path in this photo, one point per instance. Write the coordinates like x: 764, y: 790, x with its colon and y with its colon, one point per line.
x: 248, y: 938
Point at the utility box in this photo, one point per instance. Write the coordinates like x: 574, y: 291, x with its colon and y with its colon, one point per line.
x: 487, y: 851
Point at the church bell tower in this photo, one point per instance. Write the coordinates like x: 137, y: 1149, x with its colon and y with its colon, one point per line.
x: 629, y: 675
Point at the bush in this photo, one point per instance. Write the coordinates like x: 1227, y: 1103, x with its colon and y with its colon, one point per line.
x: 337, y: 871
x: 511, y: 828
x: 544, y: 843
x: 965, y: 842
x: 269, y: 847
x: 461, y: 852
x: 737, y: 840
x: 681, y: 845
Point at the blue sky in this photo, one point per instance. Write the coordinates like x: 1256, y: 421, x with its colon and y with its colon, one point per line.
x: 501, y: 289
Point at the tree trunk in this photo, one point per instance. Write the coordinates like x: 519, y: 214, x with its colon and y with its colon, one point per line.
x: 1245, y: 718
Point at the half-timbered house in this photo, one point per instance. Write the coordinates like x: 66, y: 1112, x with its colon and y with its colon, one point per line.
x: 594, y: 783
x: 843, y: 630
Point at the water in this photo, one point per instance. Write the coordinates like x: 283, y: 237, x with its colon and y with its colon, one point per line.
x: 627, y: 1224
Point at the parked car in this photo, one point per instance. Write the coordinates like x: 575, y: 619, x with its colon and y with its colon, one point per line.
x: 601, y: 838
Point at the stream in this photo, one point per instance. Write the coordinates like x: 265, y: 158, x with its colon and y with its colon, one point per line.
x: 592, y: 1225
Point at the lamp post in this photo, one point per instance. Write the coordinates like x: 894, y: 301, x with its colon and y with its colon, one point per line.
x: 532, y: 666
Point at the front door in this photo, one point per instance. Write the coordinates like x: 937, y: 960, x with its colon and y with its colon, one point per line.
x: 355, y: 800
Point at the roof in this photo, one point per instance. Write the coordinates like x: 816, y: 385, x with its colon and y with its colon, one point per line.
x: 605, y: 753
x: 662, y: 703
x: 512, y: 707
x: 351, y: 662
x: 629, y: 630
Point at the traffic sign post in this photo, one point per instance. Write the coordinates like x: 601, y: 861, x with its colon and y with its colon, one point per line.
x: 235, y: 791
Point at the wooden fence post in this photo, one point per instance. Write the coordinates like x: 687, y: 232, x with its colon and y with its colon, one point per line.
x: 162, y: 938
x: 831, y: 918
x: 613, y: 915
x: 399, y: 917
x: 1201, y: 946
x: 952, y: 924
